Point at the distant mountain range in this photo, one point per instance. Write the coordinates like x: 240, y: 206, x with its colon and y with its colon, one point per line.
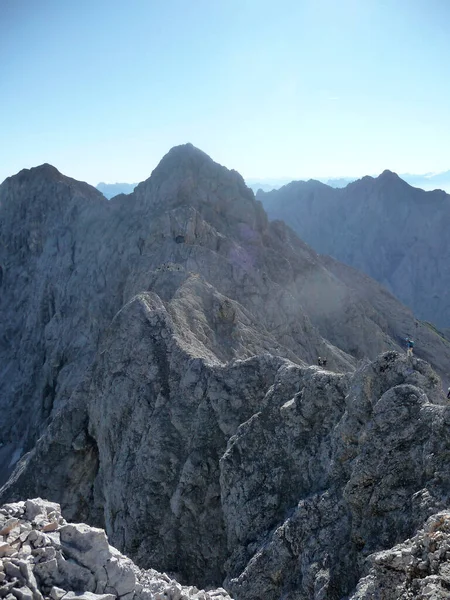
x: 396, y: 233
x: 429, y: 181
x: 109, y: 190
x: 267, y: 185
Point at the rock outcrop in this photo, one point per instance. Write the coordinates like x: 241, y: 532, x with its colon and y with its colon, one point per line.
x: 358, y: 470
x: 194, y: 235
x: 391, y: 231
x: 42, y: 557
x: 262, y: 476
x: 157, y: 383
x: 418, y: 569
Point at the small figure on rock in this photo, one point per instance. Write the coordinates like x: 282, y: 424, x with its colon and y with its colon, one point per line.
x: 409, y: 346
x: 448, y: 394
x: 322, y: 362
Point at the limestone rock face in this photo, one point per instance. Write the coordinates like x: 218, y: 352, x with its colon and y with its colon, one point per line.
x: 358, y: 470
x: 70, y: 260
x: 44, y: 557
x: 391, y: 231
x: 159, y: 382
x: 50, y: 232
x: 417, y: 569
x: 261, y: 475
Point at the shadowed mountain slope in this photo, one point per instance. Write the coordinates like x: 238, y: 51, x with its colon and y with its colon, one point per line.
x: 395, y: 233
x: 156, y: 380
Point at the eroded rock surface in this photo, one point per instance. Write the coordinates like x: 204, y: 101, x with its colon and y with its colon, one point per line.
x: 269, y: 478
x: 44, y: 557
x: 157, y: 383
x: 194, y: 235
x: 418, y: 569
x: 365, y: 460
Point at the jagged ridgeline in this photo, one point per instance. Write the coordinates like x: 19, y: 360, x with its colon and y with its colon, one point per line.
x: 157, y: 381
x: 394, y: 232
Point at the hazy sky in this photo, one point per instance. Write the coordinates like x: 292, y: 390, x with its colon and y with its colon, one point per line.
x: 301, y: 88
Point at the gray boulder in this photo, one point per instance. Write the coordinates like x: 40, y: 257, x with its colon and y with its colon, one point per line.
x: 84, y: 566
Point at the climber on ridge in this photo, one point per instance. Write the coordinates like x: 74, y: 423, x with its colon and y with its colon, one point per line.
x: 409, y: 346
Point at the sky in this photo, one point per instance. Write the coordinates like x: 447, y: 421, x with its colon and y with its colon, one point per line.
x: 102, y: 89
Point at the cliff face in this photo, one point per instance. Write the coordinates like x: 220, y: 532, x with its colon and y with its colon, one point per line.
x: 44, y: 557
x: 357, y: 456
x: 156, y: 383
x: 395, y: 233
x: 261, y: 475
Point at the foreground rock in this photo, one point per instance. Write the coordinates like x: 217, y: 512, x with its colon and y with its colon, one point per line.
x: 44, y: 557
x: 418, y: 569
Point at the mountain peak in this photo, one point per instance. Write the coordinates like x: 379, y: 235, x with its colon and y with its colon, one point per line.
x: 45, y: 171
x: 46, y: 168
x: 38, y: 179
x: 183, y: 172
x: 176, y: 164
x: 183, y: 155
x: 388, y: 176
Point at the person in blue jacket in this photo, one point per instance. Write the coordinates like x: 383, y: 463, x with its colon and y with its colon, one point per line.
x: 409, y: 346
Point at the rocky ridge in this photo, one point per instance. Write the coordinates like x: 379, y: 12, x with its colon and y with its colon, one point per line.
x: 194, y: 235
x: 201, y: 485
x: 42, y: 557
x: 165, y: 374
x: 391, y: 231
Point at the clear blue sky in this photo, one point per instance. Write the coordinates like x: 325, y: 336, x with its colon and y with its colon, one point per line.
x: 299, y: 88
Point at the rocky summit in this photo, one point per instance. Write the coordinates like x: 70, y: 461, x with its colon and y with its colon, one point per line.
x: 160, y: 381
